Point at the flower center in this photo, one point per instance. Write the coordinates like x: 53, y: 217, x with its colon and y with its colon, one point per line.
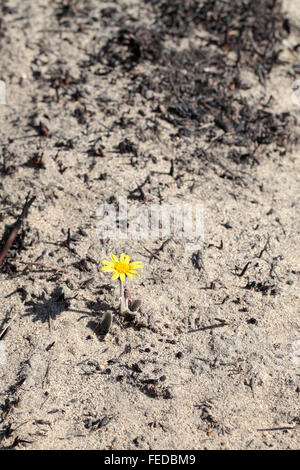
x: 122, y: 268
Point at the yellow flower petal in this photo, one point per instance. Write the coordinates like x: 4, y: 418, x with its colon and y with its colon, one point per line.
x: 107, y: 269
x: 109, y: 263
x: 136, y: 265
x: 122, y: 268
x: 114, y: 258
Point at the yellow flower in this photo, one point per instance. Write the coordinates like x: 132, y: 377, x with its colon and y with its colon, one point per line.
x: 121, y: 268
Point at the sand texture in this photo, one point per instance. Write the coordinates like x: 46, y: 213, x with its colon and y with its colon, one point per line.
x: 162, y: 103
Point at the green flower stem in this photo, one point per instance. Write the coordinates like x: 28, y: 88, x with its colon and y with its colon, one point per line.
x: 121, y: 289
x: 123, y: 308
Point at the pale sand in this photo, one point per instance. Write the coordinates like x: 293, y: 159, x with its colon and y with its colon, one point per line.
x: 61, y: 387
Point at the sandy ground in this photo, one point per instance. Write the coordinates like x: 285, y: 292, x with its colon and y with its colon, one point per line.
x: 210, y: 362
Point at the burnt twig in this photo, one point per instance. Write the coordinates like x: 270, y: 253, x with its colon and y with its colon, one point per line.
x: 16, y: 228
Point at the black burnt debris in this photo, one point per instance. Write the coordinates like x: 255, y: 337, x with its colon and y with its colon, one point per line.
x: 117, y: 88
x: 198, y: 88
